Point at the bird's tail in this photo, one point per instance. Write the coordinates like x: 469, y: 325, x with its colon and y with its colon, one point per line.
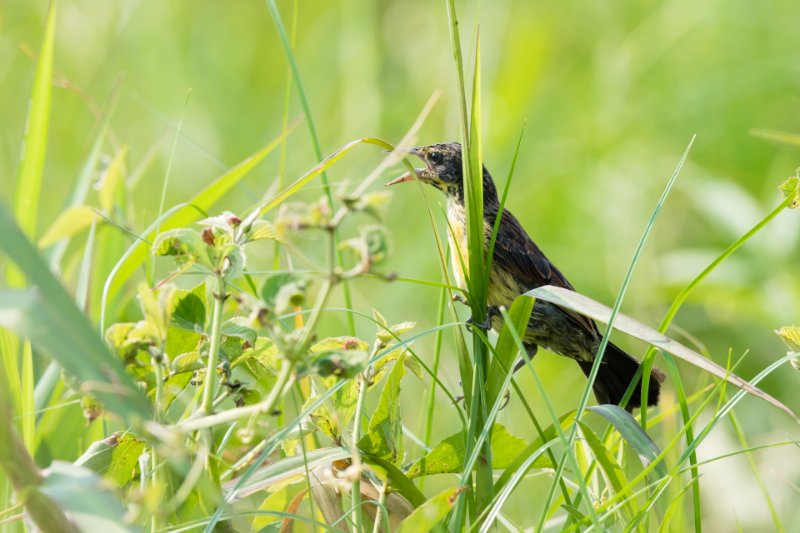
x: 616, y: 373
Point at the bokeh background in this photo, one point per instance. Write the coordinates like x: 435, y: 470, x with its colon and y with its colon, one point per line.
x: 609, y: 94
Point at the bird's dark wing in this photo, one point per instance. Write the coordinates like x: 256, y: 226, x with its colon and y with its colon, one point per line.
x: 518, y: 255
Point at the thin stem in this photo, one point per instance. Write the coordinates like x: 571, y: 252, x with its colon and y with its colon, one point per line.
x: 381, y: 507
x: 213, y: 350
x: 363, y: 385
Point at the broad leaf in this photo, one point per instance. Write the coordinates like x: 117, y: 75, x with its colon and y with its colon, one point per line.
x: 448, y: 456
x: 426, y: 516
x: 384, y: 437
x: 115, y: 458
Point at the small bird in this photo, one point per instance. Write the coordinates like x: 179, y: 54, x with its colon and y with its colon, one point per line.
x: 518, y: 266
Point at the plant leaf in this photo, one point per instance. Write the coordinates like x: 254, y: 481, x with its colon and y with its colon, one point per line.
x: 426, y: 516
x: 506, y: 348
x: 597, y: 311
x: 48, y: 316
x: 384, y: 437
x: 284, y: 469
x: 633, y: 434
x: 611, y: 469
x: 82, y: 494
x: 448, y: 456
x: 68, y: 224
x: 115, y: 458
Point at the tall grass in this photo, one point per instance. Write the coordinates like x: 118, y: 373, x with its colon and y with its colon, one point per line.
x: 237, y: 389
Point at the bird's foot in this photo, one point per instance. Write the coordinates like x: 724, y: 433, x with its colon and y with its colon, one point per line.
x: 491, y: 312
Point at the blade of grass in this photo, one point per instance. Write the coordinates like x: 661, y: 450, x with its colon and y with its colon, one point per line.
x: 48, y: 315
x: 647, y: 360
x: 618, y: 303
x: 34, y: 144
x: 301, y: 94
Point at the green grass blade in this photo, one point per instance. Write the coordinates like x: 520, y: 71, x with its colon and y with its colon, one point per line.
x: 301, y: 94
x: 34, y: 145
x: 609, y: 466
x: 49, y: 317
x: 633, y: 434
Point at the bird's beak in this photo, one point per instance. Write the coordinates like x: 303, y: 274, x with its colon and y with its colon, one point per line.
x: 408, y: 176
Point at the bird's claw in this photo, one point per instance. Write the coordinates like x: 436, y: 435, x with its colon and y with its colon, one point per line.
x: 491, y: 312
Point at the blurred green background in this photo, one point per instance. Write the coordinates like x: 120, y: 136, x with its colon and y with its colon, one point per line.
x: 610, y: 94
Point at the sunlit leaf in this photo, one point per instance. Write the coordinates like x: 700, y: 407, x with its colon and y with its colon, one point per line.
x: 791, y: 190
x: 448, y: 456
x: 384, y: 437
x: 427, y: 515
x: 68, y: 224
x: 115, y: 458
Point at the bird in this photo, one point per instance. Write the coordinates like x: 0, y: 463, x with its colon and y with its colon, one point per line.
x: 518, y: 266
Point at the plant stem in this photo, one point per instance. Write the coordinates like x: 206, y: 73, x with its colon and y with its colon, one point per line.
x: 363, y: 385
x: 213, y: 350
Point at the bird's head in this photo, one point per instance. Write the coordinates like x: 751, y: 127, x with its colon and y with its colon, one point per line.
x: 443, y: 170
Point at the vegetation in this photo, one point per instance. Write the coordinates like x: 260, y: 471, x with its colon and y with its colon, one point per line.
x: 194, y: 343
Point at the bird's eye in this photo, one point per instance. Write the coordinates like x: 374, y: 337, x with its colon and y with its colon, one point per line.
x: 436, y: 157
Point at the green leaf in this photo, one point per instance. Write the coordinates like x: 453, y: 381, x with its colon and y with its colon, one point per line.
x: 157, y: 306
x: 506, y: 349
x: 379, y: 319
x: 384, y: 437
x: 611, y: 469
x: 633, y: 434
x: 343, y: 365
x: 790, y: 336
x: 68, y: 224
x: 394, y: 331
x: 34, y: 143
x: 111, y: 180
x: 284, y: 470
x: 48, y: 316
x: 115, y: 458
x: 333, y: 416
x: 597, y: 311
x: 186, y: 245
x: 264, y: 352
x: 549, y: 434
x: 190, y: 309
x: 791, y: 190
x: 261, y: 229
x: 426, y: 516
x: 343, y: 343
x: 83, y: 495
x: 237, y: 327
x: 395, y: 478
x: 447, y: 457
x: 380, y: 368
